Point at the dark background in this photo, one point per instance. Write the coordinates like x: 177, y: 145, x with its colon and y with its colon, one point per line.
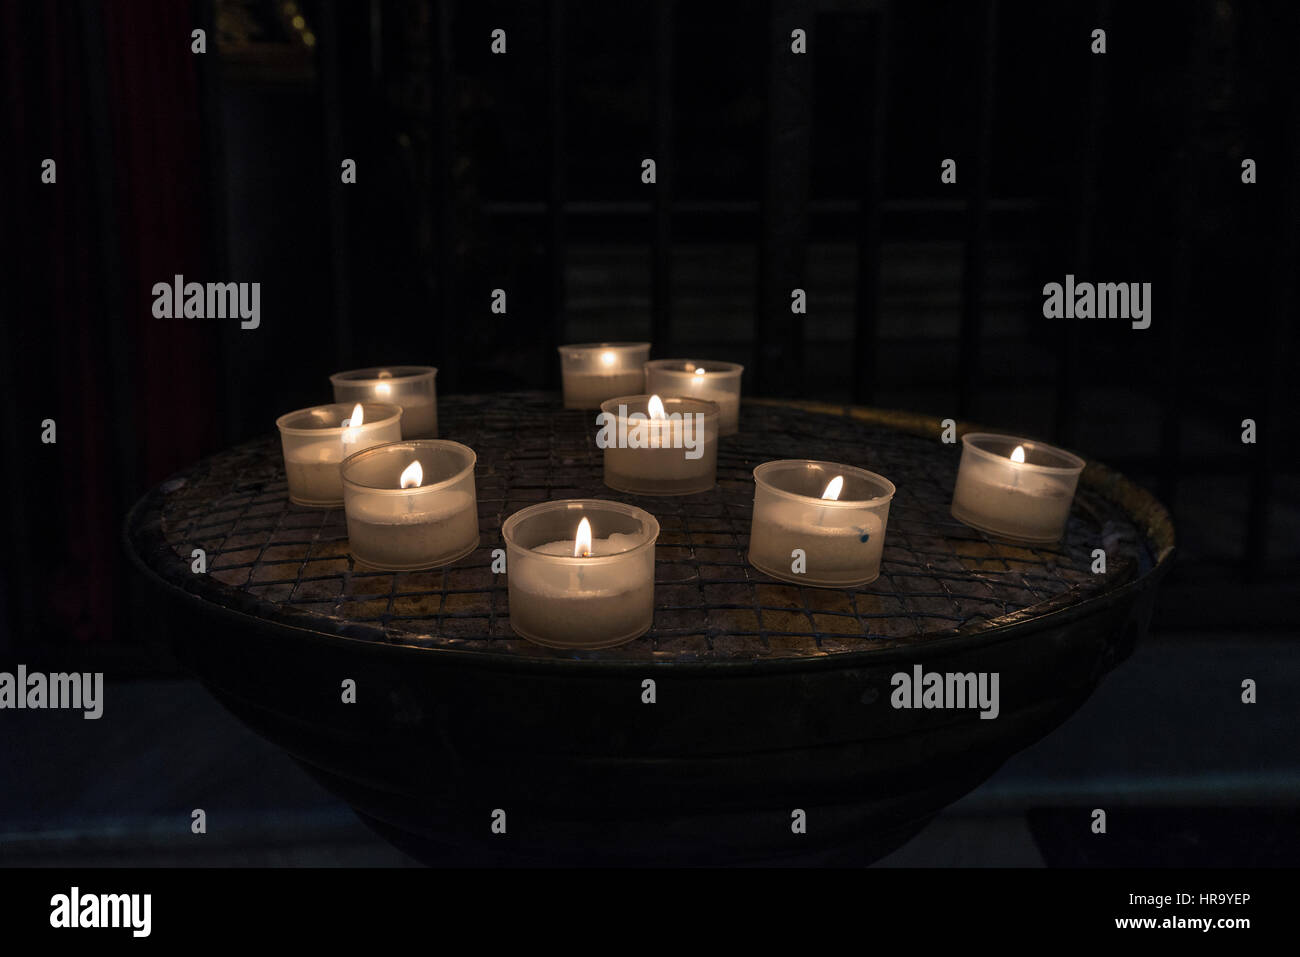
x: 775, y: 171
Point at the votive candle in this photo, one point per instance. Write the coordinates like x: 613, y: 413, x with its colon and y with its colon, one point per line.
x: 414, y: 388
x: 411, y: 504
x: 316, y: 440
x: 700, y: 379
x: 659, y: 446
x: 819, y: 523
x: 1015, y: 488
x: 595, y: 371
x: 581, y: 572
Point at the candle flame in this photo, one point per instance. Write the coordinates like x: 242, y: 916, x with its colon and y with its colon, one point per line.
x: 383, y: 389
x: 358, y: 416
x: 699, y: 370
x: 582, y: 542
x: 833, y: 488
x: 1019, y: 454
x: 607, y: 358
x: 655, y: 407
x: 412, y: 475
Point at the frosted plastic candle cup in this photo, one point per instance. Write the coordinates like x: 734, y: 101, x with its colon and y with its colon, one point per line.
x: 1025, y: 501
x: 596, y: 371
x: 424, y: 526
x: 315, y: 442
x: 700, y: 379
x: 414, y: 388
x: 841, y: 540
x: 650, y: 456
x: 597, y: 601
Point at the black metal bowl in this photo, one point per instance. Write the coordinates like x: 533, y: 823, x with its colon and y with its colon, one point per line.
x: 770, y: 698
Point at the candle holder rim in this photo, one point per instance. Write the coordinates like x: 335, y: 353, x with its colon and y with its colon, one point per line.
x: 714, y: 410
x: 650, y: 530
x: 384, y: 446
x: 388, y: 419
x: 969, y: 441
x: 353, y: 377
x: 720, y: 368
x: 612, y: 346
x: 884, y: 498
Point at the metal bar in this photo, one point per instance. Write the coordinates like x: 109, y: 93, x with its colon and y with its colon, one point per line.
x: 118, y: 405
x: 977, y: 218
x: 661, y: 252
x: 779, y: 339
x: 866, y: 331
x: 216, y: 251
x: 331, y: 37
x: 443, y: 116
x: 1069, y: 341
x: 18, y: 436
x: 1181, y: 266
x: 556, y: 199
x: 1279, y: 359
x: 110, y: 268
x: 375, y: 29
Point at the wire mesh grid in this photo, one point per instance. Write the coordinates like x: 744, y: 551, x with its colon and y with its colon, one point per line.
x: 937, y: 576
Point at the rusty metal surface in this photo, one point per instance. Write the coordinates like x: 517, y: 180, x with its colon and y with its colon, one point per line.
x: 289, y: 565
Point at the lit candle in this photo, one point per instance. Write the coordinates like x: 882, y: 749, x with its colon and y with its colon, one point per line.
x: 411, y: 504
x: 316, y: 440
x: 414, y: 388
x: 581, y: 572
x: 818, y: 523
x: 657, y: 446
x: 1014, y: 488
x: 699, y: 379
x: 596, y: 371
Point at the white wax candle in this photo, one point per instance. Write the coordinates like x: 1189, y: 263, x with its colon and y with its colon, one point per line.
x: 728, y: 404
x: 587, y: 390
x: 838, y: 544
x: 414, y: 388
x: 408, y: 532
x: 596, y: 600
x: 580, y: 605
x: 661, y: 471
x: 315, y: 441
x: 819, y: 523
x: 595, y: 371
x: 314, y: 483
x: 419, y: 417
x: 1014, y: 488
x: 717, y: 382
x: 1026, y: 508
x: 411, y: 504
x: 673, y: 454
x: 612, y: 545
x: 312, y: 468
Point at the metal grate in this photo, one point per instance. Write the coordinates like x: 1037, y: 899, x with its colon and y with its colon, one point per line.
x: 282, y: 561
